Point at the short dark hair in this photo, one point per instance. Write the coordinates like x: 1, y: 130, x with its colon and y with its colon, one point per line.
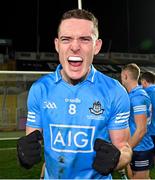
x: 149, y: 76
x: 81, y: 14
x: 134, y: 69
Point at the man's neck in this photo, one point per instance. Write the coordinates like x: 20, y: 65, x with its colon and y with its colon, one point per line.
x: 132, y: 85
x: 73, y: 81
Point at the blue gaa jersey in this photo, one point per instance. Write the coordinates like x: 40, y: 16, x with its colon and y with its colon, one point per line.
x: 151, y: 92
x: 140, y: 104
x: 72, y: 117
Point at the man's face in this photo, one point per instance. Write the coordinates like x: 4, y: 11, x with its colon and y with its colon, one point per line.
x: 124, y: 78
x: 76, y: 45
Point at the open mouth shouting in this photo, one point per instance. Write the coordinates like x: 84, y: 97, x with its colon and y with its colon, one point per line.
x: 75, y: 61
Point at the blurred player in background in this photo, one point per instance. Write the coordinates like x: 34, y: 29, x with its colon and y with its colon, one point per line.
x: 148, y: 83
x: 140, y: 141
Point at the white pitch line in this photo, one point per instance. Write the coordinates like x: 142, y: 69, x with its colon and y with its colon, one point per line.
x: 11, y: 138
x: 4, y: 149
x: 25, y: 72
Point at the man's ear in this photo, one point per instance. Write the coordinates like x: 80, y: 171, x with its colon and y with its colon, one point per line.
x: 98, y: 45
x: 125, y: 76
x: 145, y: 83
x: 56, y: 44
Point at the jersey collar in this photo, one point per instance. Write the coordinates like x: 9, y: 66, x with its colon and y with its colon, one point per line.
x: 57, y: 73
x: 135, y: 89
x: 90, y: 76
x: 151, y: 86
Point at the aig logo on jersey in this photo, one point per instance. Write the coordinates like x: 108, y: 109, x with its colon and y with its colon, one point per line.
x: 72, y: 138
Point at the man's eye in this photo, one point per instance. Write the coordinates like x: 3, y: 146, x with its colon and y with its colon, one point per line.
x: 65, y: 40
x: 85, y: 39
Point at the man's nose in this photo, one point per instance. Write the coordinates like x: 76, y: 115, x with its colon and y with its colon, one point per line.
x: 75, y: 45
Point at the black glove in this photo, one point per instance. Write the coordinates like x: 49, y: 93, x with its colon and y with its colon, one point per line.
x: 29, y: 149
x: 107, y: 157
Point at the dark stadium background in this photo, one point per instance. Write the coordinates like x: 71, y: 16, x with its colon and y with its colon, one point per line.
x: 125, y: 25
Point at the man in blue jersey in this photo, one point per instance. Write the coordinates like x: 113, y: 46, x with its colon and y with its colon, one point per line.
x: 140, y: 141
x: 82, y: 113
x: 148, y: 83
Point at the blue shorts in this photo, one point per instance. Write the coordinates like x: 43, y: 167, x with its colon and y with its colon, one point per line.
x: 153, y: 139
x: 142, y: 160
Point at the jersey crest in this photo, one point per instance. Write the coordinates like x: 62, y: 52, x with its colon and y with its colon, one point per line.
x: 96, y: 109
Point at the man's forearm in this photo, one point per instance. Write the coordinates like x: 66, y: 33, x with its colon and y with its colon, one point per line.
x: 136, y: 138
